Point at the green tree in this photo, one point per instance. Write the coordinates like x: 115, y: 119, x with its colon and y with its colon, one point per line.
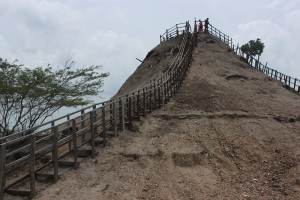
x: 28, y: 96
x: 253, y: 48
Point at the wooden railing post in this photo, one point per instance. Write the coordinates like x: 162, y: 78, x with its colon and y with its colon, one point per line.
x: 74, y: 144
x: 82, y: 126
x: 55, y: 153
x: 163, y: 93
x: 167, y: 37
x: 103, y: 125
x: 144, y: 102
x: 130, y: 112
x: 111, y: 113
x: 2, y: 169
x: 115, y: 119
x: 32, y: 166
x: 122, y: 116
x: 168, y: 88
x: 150, y: 100
x: 154, y: 96
x: 295, y: 82
x: 159, y: 96
x: 68, y: 131
x: 138, y: 102
x: 92, y: 113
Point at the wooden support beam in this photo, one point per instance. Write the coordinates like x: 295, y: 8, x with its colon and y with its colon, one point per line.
x: 144, y: 102
x: 150, y: 97
x: 130, y: 112
x: 154, y: 96
x: 84, y: 153
x: 45, y: 175
x: 32, y: 165
x: 63, y: 163
x: 55, y: 153
x: 115, y: 119
x: 122, y: 115
x: 2, y: 169
x: 138, y: 109
x: 18, y: 192
x: 98, y: 142
x: 103, y: 125
x: 92, y: 115
x: 82, y: 126
x: 74, y: 144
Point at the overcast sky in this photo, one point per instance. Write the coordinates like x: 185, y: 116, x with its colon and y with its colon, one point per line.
x: 112, y: 33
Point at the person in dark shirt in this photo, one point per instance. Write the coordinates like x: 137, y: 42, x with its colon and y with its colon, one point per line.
x: 206, y: 22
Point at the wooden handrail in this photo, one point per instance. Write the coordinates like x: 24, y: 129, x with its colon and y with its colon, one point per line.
x: 100, y: 116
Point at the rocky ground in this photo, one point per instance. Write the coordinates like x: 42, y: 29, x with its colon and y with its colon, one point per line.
x: 230, y: 133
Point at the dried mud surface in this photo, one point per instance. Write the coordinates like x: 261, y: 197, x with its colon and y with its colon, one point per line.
x: 230, y: 133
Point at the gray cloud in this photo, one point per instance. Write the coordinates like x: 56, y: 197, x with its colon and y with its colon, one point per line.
x: 113, y: 33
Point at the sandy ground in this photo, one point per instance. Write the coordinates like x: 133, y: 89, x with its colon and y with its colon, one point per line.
x: 222, y: 137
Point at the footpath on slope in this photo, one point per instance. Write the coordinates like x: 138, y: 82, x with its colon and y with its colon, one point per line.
x: 230, y: 133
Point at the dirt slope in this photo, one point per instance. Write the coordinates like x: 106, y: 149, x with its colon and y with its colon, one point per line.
x: 156, y: 62
x: 230, y: 133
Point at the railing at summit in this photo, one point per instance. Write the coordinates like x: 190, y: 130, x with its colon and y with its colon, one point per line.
x: 292, y: 83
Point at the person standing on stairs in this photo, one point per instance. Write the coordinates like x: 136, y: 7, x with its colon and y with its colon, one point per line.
x: 206, y: 22
x: 200, y: 26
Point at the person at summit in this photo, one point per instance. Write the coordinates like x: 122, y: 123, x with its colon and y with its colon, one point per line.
x: 200, y: 26
x: 206, y: 22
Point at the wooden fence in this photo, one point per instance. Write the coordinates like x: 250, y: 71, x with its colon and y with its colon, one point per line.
x: 39, y: 152
x: 292, y: 83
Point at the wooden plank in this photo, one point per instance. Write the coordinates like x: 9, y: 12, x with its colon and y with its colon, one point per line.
x: 68, y: 123
x: 32, y: 165
x: 168, y: 88
x: 138, y: 106
x: 45, y: 175
x: 111, y: 114
x: 2, y: 169
x: 92, y: 113
x: 144, y: 102
x: 129, y: 112
x: 63, y: 163
x: 122, y: 115
x: 103, y: 126
x: 98, y: 142
x: 82, y: 125
x: 18, y: 192
x: 163, y: 94
x: 154, y: 96
x: 55, y: 154
x: 74, y: 144
x: 159, y: 97
x: 84, y: 153
x: 115, y: 119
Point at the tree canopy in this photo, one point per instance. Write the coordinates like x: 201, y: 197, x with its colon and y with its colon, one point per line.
x: 28, y: 96
x: 253, y: 48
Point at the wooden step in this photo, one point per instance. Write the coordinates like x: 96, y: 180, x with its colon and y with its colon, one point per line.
x: 18, y: 192
x: 84, y: 153
x: 98, y: 142
x: 62, y: 163
x: 107, y: 135
x: 46, y: 175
